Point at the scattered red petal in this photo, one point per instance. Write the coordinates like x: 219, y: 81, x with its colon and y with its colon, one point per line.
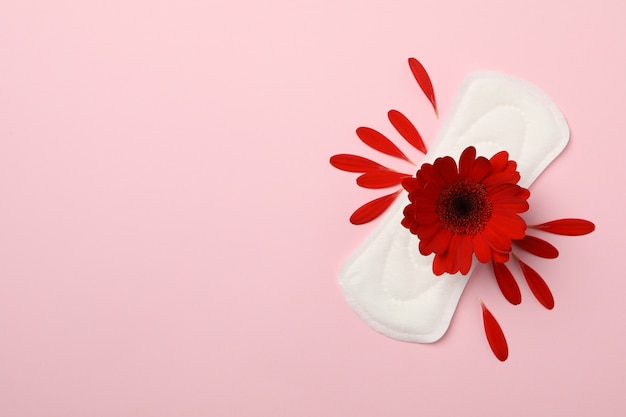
x: 422, y: 78
x: 537, y: 247
x: 369, y: 211
x: 495, y: 335
x: 355, y: 163
x: 380, y: 142
x: 507, y: 283
x: 407, y: 130
x: 567, y: 227
x: 538, y: 286
x: 381, y: 179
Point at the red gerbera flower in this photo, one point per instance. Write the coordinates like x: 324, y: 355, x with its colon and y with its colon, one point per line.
x: 457, y: 213
x: 460, y: 211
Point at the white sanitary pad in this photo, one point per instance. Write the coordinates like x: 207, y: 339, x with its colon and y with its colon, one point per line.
x: 386, y: 281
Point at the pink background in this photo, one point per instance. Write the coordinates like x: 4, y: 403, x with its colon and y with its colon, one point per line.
x: 171, y: 230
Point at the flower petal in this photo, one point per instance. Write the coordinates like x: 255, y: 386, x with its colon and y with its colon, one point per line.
x: 369, y: 211
x: 407, y: 130
x: 378, y: 141
x: 495, y: 335
x: 499, y: 161
x: 424, y: 202
x: 537, y: 247
x: 466, y: 161
x: 425, y: 217
x: 440, y: 241
x: 567, y: 227
x: 381, y: 179
x: 495, y: 240
x: 465, y: 254
x: 355, y: 163
x: 481, y: 248
x: 524, y: 193
x: 452, y: 254
x: 480, y: 169
x: 422, y: 78
x: 427, y: 231
x: 538, y: 286
x: 427, y: 174
x: 508, y: 225
x: 513, y: 206
x: 500, y: 257
x: 446, y: 168
x: 501, y: 177
x: 411, y: 184
x: 439, y: 264
x: 499, y: 192
x: 507, y: 283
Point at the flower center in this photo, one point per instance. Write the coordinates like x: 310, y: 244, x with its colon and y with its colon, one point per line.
x: 463, y: 207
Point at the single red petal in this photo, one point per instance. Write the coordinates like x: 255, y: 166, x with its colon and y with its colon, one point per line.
x: 499, y: 161
x: 507, y: 283
x: 480, y: 169
x: 355, y: 163
x: 500, y: 257
x: 513, y: 206
x: 427, y: 174
x: 495, y: 335
x: 538, y: 286
x: 510, y: 166
x: 422, y: 78
x: 537, y: 247
x: 380, y: 142
x: 439, y: 264
x: 524, y: 193
x: 369, y: 211
x: 466, y: 161
x: 481, y: 248
x: 515, y: 197
x: 411, y: 184
x: 501, y: 177
x: 381, y: 179
x: 465, y: 254
x: 427, y: 231
x: 500, y: 191
x: 407, y: 130
x: 568, y: 227
x: 446, y: 168
x: 452, y: 254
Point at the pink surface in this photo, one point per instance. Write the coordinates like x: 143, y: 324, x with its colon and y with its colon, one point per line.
x: 171, y: 229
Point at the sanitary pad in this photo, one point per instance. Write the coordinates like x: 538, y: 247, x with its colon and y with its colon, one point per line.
x: 386, y: 281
